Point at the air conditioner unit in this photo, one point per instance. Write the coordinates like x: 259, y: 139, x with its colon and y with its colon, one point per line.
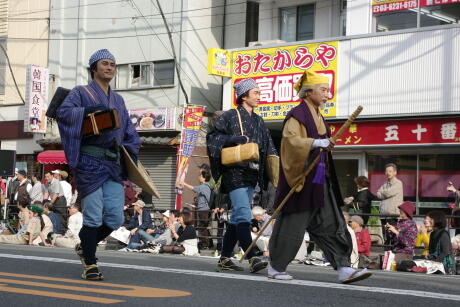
x: 267, y: 42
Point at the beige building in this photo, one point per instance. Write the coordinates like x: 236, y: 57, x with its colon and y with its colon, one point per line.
x: 24, y: 32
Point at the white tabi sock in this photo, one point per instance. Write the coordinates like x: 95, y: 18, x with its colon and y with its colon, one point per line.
x: 345, y: 272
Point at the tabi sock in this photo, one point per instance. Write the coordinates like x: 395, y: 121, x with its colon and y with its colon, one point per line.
x: 88, y: 237
x: 230, y: 239
x: 345, y: 272
x: 243, y: 231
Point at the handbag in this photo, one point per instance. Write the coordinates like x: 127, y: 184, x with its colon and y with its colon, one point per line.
x: 248, y: 152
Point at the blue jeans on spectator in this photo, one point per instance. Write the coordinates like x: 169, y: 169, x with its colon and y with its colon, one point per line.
x: 241, y: 205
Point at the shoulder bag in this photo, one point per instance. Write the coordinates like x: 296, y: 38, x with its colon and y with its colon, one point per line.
x: 248, y: 152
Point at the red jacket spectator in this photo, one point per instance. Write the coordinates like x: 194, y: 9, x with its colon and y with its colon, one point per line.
x: 363, y: 239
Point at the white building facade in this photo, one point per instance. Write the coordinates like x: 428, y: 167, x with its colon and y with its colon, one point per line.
x: 399, y: 61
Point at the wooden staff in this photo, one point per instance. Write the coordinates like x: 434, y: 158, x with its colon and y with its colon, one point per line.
x: 342, y: 129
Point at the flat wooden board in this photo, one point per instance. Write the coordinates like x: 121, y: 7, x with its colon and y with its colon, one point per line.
x: 139, y: 176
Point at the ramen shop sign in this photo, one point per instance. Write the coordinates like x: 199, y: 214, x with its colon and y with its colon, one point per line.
x: 153, y: 119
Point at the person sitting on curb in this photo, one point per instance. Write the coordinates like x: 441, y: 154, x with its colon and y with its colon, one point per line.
x: 161, y: 235
x: 423, y: 236
x: 404, y: 233
x: 55, y: 219
x: 185, y: 239
x: 260, y: 219
x: 71, y: 238
x: 363, y: 240
x: 141, y: 220
x: 23, y: 215
x: 34, y: 227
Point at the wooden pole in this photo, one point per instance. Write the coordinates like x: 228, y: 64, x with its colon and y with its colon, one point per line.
x: 342, y: 129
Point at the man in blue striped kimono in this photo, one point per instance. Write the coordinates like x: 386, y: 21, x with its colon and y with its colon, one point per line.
x: 95, y: 161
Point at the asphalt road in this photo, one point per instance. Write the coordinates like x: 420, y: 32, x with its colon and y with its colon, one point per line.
x: 40, y: 276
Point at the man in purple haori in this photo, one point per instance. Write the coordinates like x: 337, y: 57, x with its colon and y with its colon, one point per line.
x: 315, y: 205
x: 95, y: 161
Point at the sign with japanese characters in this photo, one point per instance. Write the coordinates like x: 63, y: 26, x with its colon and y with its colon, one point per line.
x: 383, y: 6
x: 424, y: 3
x: 153, y: 119
x: 193, y: 118
x: 219, y: 62
x: 277, y: 70
x: 400, y: 132
x: 36, y: 97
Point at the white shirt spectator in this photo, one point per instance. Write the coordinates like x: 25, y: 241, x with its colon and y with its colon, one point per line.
x: 67, y: 190
x: 75, y: 224
x: 37, y: 192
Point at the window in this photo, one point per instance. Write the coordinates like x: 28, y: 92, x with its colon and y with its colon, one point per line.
x: 407, y: 172
x: 297, y: 23
x: 252, y: 22
x: 163, y: 73
x: 434, y: 172
x: 429, y: 14
x: 145, y: 75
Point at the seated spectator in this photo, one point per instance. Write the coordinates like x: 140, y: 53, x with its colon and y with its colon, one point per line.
x: 185, y: 239
x: 203, y: 199
x: 363, y: 240
x: 404, y: 233
x: 33, y: 230
x: 354, y: 257
x: 55, y: 219
x: 23, y: 214
x: 260, y: 219
x: 440, y: 246
x: 423, y: 236
x: 140, y: 220
x: 161, y: 234
x: 71, y: 238
x: 438, y: 258
x: 47, y: 229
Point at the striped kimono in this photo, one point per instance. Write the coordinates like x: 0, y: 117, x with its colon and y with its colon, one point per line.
x: 90, y: 172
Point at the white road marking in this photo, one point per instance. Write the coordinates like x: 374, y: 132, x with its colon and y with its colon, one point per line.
x: 306, y: 283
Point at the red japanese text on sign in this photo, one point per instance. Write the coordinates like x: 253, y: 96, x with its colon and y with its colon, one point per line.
x: 402, y: 132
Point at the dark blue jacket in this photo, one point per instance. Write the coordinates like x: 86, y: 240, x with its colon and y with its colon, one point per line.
x: 146, y: 221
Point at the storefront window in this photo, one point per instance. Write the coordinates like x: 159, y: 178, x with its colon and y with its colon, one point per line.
x: 436, y: 171
x: 392, y: 21
x: 347, y: 171
x: 435, y: 15
x: 391, y: 16
x: 407, y: 172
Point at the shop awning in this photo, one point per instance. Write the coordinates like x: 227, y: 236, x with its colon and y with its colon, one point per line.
x: 52, y: 157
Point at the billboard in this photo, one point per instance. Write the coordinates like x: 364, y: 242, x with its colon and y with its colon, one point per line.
x: 276, y: 71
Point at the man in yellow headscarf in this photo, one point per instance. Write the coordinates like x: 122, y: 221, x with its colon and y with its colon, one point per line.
x: 315, y: 206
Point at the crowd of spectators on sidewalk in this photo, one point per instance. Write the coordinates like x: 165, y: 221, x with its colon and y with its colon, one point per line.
x: 49, y: 215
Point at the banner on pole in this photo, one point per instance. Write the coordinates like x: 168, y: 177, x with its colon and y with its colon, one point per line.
x: 193, y: 117
x: 37, y: 82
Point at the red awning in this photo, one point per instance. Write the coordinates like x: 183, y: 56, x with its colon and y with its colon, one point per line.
x: 52, y: 157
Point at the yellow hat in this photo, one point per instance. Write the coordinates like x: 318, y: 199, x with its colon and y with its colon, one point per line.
x: 310, y: 78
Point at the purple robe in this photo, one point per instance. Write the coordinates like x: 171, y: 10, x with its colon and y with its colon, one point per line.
x: 312, y: 194
x: 91, y: 172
